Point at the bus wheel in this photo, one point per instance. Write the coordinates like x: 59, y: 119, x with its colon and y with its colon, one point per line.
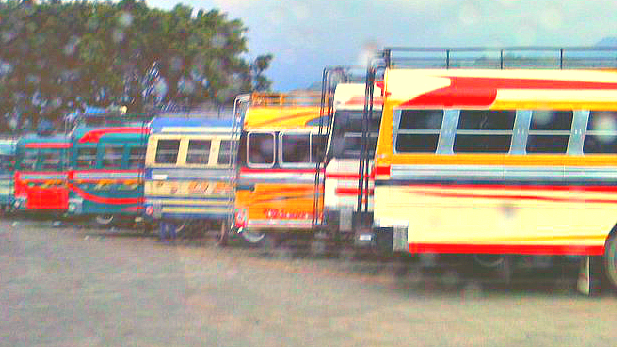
x: 179, y: 229
x: 252, y: 238
x: 104, y: 219
x: 610, y: 260
x: 489, y: 260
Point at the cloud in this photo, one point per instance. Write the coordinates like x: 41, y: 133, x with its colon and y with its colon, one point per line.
x: 306, y: 35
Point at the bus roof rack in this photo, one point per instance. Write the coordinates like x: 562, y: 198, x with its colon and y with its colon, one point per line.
x: 533, y: 57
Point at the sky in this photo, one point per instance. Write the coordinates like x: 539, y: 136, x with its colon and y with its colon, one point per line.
x: 307, y: 35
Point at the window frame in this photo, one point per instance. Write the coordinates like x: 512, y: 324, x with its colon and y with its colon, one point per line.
x: 188, y: 141
x: 397, y: 130
x: 547, y: 132
x: 301, y: 164
x: 486, y: 132
x: 142, y: 163
x: 586, y: 132
x: 103, y: 150
x: 248, y: 152
x: 156, y: 147
x: 76, y: 156
x: 219, y: 141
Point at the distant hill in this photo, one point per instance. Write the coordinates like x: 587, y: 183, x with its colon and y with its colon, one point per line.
x: 609, y: 41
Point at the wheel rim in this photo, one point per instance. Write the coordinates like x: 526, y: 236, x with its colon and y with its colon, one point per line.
x: 180, y: 227
x: 105, y: 219
x: 253, y: 237
x: 488, y: 260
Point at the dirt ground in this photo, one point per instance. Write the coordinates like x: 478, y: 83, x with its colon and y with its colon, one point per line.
x: 74, y: 286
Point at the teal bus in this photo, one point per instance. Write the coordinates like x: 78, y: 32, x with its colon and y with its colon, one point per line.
x: 107, y: 161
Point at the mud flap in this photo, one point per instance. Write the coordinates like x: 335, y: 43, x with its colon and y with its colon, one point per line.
x: 583, y: 283
x: 588, y: 282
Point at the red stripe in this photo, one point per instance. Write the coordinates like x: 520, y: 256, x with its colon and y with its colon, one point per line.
x: 519, y: 197
x: 383, y: 170
x: 352, y: 191
x: 482, y: 91
x: 93, y: 136
x: 522, y: 249
x: 594, y: 189
x: 104, y: 200
x: 106, y: 171
x: 47, y: 145
x: 342, y: 175
x: 245, y: 170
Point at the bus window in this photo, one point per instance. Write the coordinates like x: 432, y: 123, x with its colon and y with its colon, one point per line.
x: 112, y: 156
x: 318, y: 147
x: 347, y: 134
x: 295, y: 148
x: 50, y: 159
x: 137, y: 156
x: 198, y: 152
x: 261, y: 149
x: 167, y: 151
x: 601, y: 135
x: 418, y: 131
x: 224, y: 156
x: 484, y: 131
x: 29, y: 161
x: 86, y: 158
x: 6, y: 162
x: 549, y: 132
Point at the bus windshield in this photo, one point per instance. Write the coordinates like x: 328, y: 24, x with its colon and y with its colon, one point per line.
x: 347, y: 134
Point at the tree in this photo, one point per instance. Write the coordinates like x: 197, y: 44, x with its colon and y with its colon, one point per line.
x: 58, y: 56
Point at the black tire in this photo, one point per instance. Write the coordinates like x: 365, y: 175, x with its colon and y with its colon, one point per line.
x: 610, y: 260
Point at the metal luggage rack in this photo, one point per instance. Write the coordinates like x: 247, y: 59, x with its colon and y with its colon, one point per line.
x: 303, y: 98
x: 502, y: 58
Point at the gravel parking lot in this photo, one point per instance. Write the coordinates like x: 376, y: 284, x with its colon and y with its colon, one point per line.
x: 75, y: 286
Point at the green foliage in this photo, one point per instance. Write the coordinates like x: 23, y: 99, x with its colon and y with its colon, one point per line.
x: 56, y: 56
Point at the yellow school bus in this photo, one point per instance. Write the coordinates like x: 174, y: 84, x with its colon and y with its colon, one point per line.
x: 512, y: 161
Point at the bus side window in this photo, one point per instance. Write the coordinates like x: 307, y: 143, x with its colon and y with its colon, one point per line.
x: 224, y: 155
x: 50, y: 159
x: 418, y: 131
x: 549, y: 132
x: 295, y: 148
x: 137, y: 155
x: 112, y: 156
x: 601, y: 134
x: 6, y: 162
x: 86, y: 158
x: 484, y: 131
x: 30, y: 157
x: 198, y: 152
x: 318, y: 147
x: 167, y: 151
x: 261, y: 149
